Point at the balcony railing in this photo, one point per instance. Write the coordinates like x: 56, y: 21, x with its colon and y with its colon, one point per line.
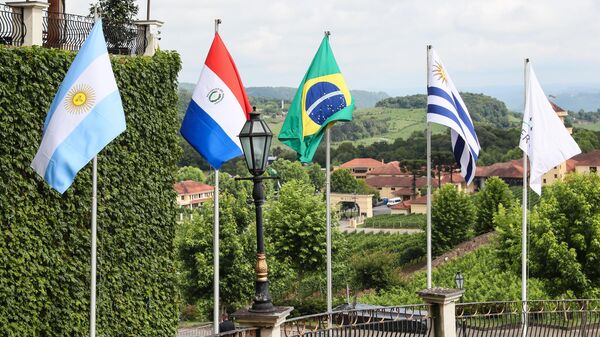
x: 12, y: 28
x: 69, y: 31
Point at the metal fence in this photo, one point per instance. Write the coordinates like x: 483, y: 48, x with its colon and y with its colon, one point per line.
x: 413, y: 320
x: 206, y: 331
x: 12, y: 28
x: 69, y: 31
x: 543, y: 318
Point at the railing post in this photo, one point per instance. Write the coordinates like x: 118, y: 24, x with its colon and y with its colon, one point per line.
x: 269, y: 323
x: 442, y: 302
x: 33, y: 16
x: 152, y: 35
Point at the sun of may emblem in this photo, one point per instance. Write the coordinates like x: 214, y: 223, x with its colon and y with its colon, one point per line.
x: 80, y: 99
x: 440, y: 72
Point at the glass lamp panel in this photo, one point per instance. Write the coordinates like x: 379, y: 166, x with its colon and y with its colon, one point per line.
x: 258, y: 144
x: 257, y: 127
x: 246, y: 148
x: 267, y: 147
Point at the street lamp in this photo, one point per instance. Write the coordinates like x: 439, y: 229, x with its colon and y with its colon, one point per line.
x: 459, y: 279
x: 256, y: 137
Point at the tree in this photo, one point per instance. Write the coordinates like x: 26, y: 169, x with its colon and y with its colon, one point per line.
x: 118, y: 16
x: 452, y: 217
x: 586, y: 139
x: 342, y: 181
x: 494, y: 193
x: 295, y: 225
x: 190, y: 173
x: 316, y: 175
x: 564, y: 249
x: 290, y: 170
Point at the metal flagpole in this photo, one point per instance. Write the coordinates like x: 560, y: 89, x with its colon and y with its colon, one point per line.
x: 216, y: 256
x: 524, y: 230
x: 429, y: 186
x: 216, y: 239
x: 93, y: 276
x: 328, y: 217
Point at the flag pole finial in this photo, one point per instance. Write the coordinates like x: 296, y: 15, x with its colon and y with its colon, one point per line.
x: 217, y: 23
x: 527, y: 60
x: 327, y: 33
x: 428, y: 47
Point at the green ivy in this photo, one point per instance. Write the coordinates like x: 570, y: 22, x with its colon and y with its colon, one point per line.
x: 45, y: 236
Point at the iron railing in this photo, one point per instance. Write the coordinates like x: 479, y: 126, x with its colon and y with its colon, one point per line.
x: 12, y: 28
x: 206, y: 331
x: 413, y: 320
x: 69, y: 31
x: 543, y: 318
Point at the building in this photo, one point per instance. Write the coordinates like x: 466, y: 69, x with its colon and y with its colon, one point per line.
x: 511, y: 172
x: 192, y: 194
x: 585, y: 162
x: 415, y: 206
x: 359, y: 167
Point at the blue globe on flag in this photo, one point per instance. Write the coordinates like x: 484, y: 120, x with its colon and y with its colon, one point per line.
x: 323, y: 99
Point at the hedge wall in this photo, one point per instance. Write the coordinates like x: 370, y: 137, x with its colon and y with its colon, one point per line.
x: 45, y: 236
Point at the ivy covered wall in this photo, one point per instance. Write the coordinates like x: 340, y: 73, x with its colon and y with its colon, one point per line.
x: 45, y: 236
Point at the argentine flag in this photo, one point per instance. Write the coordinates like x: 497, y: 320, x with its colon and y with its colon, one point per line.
x: 218, y: 110
x: 446, y: 107
x: 84, y: 117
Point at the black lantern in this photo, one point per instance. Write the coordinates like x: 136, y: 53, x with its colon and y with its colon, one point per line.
x: 256, y: 137
x: 459, y: 279
x: 256, y: 141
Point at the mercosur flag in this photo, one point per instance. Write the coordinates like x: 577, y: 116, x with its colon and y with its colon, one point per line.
x: 544, y: 137
x: 322, y: 98
x: 84, y: 117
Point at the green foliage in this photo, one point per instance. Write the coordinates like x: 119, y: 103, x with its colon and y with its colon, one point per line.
x: 190, y: 173
x: 296, y: 226
x: 586, y: 139
x: 396, y: 221
x: 494, y: 193
x: 373, y: 270
x: 452, y: 218
x: 118, y: 17
x: 564, y: 230
x: 290, y: 170
x: 45, y: 236
x: 342, y: 181
x: 316, y: 175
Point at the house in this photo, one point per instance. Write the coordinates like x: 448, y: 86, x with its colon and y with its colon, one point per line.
x: 585, y: 162
x: 415, y: 206
x: 511, y: 172
x: 359, y: 167
x: 192, y: 194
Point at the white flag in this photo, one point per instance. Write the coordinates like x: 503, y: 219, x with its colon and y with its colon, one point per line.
x: 544, y: 137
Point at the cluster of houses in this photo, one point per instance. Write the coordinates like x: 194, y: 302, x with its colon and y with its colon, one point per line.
x: 398, y: 183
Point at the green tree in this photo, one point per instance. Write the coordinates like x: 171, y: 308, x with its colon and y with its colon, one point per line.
x: 290, y: 170
x: 316, y: 175
x: 494, y: 193
x: 586, y: 139
x: 190, y: 173
x: 453, y: 216
x: 342, y: 181
x: 295, y: 225
x: 564, y: 249
x: 118, y: 16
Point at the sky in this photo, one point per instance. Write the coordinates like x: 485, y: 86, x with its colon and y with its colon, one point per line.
x: 381, y: 45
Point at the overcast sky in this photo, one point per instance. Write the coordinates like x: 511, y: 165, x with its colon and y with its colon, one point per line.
x: 380, y: 45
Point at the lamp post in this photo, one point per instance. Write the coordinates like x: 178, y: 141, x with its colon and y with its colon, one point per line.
x: 255, y: 138
x: 459, y: 279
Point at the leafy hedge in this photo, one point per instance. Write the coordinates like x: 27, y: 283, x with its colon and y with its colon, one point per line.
x: 45, y: 236
x: 414, y: 221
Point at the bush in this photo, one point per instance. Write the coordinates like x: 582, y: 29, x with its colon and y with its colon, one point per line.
x: 373, y: 270
x: 397, y: 221
x: 452, y: 218
x: 45, y: 236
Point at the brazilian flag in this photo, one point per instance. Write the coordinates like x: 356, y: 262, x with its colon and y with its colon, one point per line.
x: 322, y: 98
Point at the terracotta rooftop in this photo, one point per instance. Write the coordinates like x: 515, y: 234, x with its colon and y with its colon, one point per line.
x: 362, y: 162
x: 402, y: 191
x: 389, y: 169
x: 422, y: 200
x: 556, y: 107
x: 387, y: 181
x: 586, y: 159
x: 511, y: 169
x: 190, y: 186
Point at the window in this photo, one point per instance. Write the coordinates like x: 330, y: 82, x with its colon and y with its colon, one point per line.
x: 555, y: 175
x: 544, y: 180
x: 183, y: 197
x: 593, y: 169
x: 393, y: 188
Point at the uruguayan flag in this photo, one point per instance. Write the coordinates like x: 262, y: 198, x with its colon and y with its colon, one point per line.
x: 84, y: 117
x: 444, y: 106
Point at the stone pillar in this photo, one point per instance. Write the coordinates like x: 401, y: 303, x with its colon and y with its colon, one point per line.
x: 33, y: 16
x: 443, y: 309
x: 269, y: 323
x: 152, y: 35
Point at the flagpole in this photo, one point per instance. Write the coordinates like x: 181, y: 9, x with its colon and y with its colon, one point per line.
x: 524, y: 227
x: 429, y: 187
x: 93, y: 268
x: 328, y: 216
x: 216, y: 239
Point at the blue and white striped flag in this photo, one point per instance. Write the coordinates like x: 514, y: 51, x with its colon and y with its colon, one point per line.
x: 444, y: 106
x: 84, y: 117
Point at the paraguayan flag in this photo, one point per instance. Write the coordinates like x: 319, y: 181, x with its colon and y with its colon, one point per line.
x: 84, y: 117
x: 444, y: 106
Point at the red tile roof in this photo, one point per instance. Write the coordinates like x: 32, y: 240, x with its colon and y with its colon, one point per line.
x: 556, y: 107
x: 362, y: 162
x: 190, y: 186
x: 387, y: 181
x: 402, y: 191
x: 511, y: 169
x: 389, y: 169
x: 406, y: 203
x: 586, y: 159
